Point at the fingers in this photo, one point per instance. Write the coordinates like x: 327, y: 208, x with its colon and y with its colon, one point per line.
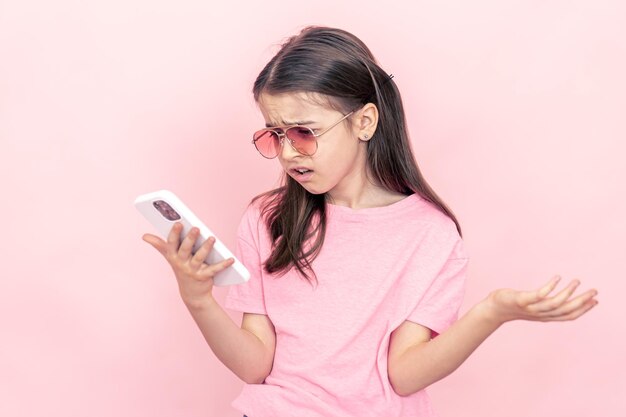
x: 574, y: 314
x: 200, y: 256
x: 218, y: 267
x: 537, y: 306
x: 173, y: 239
x: 156, y: 242
x: 549, y: 287
x: 202, y: 252
x: 529, y: 297
x: 181, y: 249
x: 552, y: 303
x: 184, y: 251
x: 574, y: 307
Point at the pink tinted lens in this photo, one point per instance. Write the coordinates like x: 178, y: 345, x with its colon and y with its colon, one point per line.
x: 302, y: 139
x: 267, y: 143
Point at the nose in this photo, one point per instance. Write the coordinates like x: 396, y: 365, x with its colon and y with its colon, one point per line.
x: 287, y: 151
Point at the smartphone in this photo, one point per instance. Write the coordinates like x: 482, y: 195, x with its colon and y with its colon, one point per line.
x: 163, y: 209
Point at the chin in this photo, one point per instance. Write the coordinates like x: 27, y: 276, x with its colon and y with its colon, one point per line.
x: 313, y: 190
x: 311, y: 187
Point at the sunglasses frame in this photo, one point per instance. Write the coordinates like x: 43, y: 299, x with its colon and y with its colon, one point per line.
x: 282, y: 135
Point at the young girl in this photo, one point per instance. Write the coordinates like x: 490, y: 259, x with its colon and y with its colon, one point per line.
x: 357, y: 267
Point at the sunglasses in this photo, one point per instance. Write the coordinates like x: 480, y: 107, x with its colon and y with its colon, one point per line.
x: 301, y: 138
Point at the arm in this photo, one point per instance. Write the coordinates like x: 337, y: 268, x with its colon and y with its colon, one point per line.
x: 415, y: 361
x: 247, y: 351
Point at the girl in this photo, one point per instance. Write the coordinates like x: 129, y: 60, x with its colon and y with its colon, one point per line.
x: 358, y: 268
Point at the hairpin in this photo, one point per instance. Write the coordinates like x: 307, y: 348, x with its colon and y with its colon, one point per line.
x: 389, y: 77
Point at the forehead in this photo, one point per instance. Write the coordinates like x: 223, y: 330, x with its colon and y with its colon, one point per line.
x: 292, y: 108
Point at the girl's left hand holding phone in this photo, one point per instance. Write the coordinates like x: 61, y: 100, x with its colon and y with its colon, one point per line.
x: 195, y: 278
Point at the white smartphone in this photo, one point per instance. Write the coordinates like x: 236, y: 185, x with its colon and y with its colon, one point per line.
x: 163, y: 209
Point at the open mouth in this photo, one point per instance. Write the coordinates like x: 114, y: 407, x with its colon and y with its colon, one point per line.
x: 301, y: 174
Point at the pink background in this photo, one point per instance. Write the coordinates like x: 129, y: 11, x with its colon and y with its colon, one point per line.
x: 516, y: 111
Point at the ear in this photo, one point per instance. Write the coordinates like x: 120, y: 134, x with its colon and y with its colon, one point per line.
x: 365, y: 123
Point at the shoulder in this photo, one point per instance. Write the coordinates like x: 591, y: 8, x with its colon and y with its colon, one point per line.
x: 263, y: 204
x: 254, y: 218
x: 429, y: 216
x: 435, y: 228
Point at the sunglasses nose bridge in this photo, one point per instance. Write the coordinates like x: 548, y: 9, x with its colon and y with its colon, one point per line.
x: 287, y: 152
x: 281, y: 138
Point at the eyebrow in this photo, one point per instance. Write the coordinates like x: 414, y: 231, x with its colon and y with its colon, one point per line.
x: 302, y: 123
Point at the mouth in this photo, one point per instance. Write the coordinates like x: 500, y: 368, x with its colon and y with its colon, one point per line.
x: 301, y: 174
x: 301, y: 171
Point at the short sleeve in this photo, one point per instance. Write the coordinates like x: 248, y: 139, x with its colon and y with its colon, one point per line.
x: 439, y: 307
x: 248, y: 297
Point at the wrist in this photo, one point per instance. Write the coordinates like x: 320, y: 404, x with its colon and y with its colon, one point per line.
x: 201, y: 303
x: 489, y: 312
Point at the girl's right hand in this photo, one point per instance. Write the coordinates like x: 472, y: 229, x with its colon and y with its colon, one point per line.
x: 195, y: 278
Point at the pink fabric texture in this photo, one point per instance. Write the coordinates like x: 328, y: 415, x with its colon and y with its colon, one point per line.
x: 377, y: 268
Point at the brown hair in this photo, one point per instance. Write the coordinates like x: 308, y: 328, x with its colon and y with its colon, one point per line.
x: 338, y: 65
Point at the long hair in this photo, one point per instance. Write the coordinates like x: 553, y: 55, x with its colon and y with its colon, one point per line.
x: 338, y: 65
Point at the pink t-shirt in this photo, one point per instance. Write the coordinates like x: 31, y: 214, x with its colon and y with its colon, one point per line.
x: 377, y: 268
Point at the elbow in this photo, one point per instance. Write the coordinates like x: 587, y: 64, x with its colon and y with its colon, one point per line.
x: 402, y: 390
x: 405, y: 390
x: 398, y: 387
x: 253, y: 379
x: 402, y: 385
x: 255, y: 375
